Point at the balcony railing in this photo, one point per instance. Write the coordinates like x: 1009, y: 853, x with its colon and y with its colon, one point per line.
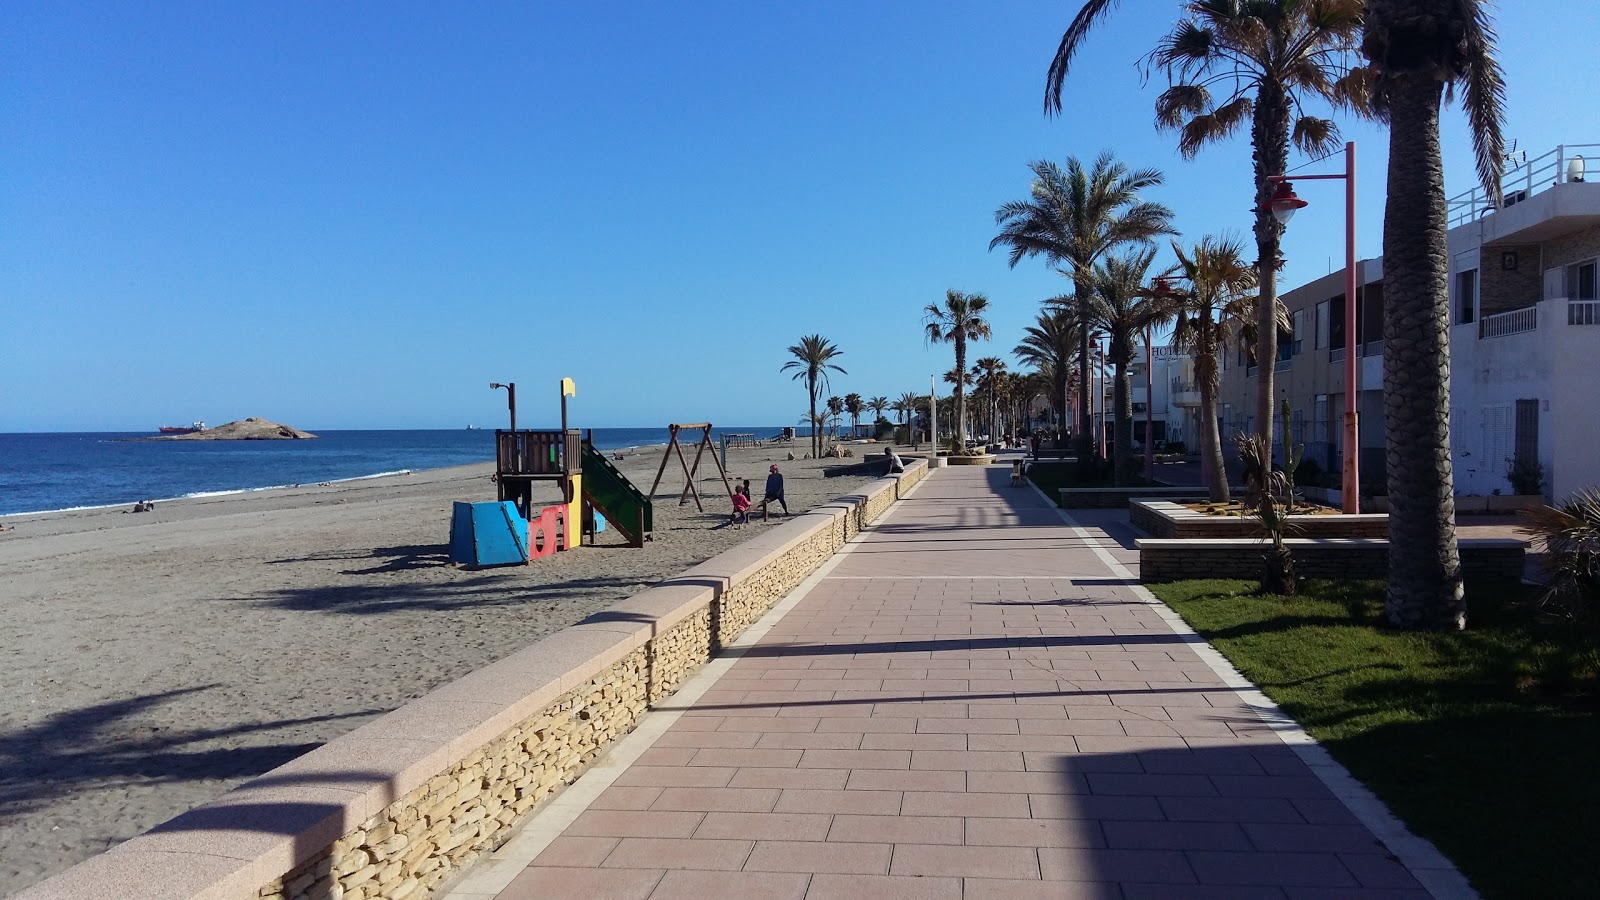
x: 1520, y: 182
x: 1583, y: 312
x: 1514, y: 322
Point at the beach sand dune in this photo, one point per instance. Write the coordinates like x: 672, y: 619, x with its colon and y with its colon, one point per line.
x: 152, y: 661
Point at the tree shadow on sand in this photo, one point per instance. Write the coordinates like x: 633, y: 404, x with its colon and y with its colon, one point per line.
x: 482, y: 591
x: 98, y: 747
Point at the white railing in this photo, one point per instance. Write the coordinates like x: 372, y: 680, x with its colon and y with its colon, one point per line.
x: 1522, y: 180
x: 1583, y: 312
x: 1514, y: 322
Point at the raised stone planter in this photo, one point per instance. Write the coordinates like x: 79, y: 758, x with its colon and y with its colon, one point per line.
x: 983, y: 460
x: 1119, y: 497
x: 1166, y: 519
x: 1160, y: 560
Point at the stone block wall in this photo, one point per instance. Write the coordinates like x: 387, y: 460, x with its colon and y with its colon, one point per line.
x: 1178, y: 560
x: 398, y: 806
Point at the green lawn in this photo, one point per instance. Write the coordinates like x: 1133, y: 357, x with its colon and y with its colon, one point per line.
x: 1484, y: 742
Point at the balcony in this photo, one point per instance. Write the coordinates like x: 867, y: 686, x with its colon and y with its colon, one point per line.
x: 1583, y: 312
x: 1184, y: 393
x: 1519, y: 183
x: 1516, y: 321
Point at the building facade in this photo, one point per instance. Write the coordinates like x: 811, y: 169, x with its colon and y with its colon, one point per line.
x: 1524, y: 341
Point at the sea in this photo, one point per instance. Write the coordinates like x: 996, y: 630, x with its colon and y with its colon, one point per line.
x: 42, y: 472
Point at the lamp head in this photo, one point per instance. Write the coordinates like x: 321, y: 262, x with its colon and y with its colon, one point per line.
x: 1284, y: 202
x: 495, y: 384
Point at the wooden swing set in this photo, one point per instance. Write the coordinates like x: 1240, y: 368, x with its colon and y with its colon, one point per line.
x: 689, y: 471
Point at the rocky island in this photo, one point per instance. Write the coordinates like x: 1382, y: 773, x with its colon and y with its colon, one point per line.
x: 251, y: 429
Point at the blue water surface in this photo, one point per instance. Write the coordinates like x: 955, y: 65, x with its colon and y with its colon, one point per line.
x: 42, y: 471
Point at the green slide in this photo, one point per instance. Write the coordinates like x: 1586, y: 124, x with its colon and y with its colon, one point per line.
x: 626, y: 508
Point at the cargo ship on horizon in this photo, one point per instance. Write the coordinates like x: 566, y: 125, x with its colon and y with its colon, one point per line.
x: 181, y: 429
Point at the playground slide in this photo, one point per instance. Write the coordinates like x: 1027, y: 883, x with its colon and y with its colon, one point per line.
x: 614, y: 495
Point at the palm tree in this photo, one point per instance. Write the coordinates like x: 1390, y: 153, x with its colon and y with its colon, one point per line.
x: 1219, y: 281
x: 1048, y: 346
x: 958, y: 321
x: 987, y: 371
x: 1122, y: 306
x: 1418, y: 50
x: 1073, y: 217
x: 835, y: 410
x: 877, y: 405
x: 855, y: 406
x: 813, y: 358
x: 1268, y: 57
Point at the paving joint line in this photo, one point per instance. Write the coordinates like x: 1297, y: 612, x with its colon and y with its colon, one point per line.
x: 1432, y: 869
x: 491, y: 874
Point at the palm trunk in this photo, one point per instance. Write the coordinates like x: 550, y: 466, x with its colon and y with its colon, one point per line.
x: 1424, y: 563
x: 1085, y: 423
x: 811, y: 394
x: 961, y: 396
x: 1269, y: 134
x: 1122, y: 427
x: 1206, y: 366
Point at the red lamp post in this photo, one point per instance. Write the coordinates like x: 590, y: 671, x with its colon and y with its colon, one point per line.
x: 1283, y: 204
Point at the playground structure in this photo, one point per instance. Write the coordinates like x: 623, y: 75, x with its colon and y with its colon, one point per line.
x: 593, y: 493
x: 689, y: 471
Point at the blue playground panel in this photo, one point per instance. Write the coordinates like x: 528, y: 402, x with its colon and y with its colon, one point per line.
x: 488, y: 534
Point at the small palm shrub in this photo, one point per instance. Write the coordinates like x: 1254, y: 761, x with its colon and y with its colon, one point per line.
x: 1266, y: 493
x: 1570, y: 535
x: 1525, y: 474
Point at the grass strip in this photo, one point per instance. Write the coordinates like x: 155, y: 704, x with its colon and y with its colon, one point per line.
x: 1484, y: 742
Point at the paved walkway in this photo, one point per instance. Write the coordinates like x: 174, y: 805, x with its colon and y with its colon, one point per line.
x: 969, y: 703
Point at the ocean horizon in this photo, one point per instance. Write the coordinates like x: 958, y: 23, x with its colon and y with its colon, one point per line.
x: 57, y: 471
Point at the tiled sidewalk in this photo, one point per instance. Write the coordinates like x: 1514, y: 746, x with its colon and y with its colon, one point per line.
x: 968, y: 704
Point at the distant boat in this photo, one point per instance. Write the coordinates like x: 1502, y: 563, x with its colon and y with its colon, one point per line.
x: 473, y: 428
x: 180, y: 429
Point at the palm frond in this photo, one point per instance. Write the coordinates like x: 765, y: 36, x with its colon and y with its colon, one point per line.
x: 1485, y: 96
x: 1315, y: 136
x: 1092, y: 12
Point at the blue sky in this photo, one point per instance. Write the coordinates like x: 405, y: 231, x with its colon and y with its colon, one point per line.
x: 358, y: 215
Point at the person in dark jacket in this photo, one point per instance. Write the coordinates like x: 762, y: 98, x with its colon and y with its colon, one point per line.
x: 774, y: 491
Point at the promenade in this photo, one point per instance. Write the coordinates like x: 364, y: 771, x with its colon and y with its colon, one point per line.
x: 971, y: 701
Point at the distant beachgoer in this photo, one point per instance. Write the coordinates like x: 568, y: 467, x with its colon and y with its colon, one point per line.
x: 741, y: 505
x: 896, y: 464
x: 1033, y: 443
x: 774, y: 490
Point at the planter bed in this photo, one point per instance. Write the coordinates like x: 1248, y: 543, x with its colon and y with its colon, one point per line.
x: 969, y: 460
x: 1160, y: 560
x: 1166, y: 519
x: 1119, y: 497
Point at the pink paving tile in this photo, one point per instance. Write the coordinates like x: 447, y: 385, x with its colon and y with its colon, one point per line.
x: 820, y: 857
x: 1099, y: 864
x: 946, y: 803
x: 581, y: 884
x: 697, y: 739
x: 869, y: 725
x: 856, y: 759
x: 1027, y: 832
x: 965, y: 862
x: 765, y: 725
x: 905, y: 780
x: 728, y: 799
x: 883, y: 887
x: 967, y: 760
x: 572, y: 850
x: 967, y: 726
x: 634, y: 823
x: 813, y: 779
x: 894, y: 741
x: 867, y: 803
x: 1135, y: 835
x: 679, y: 853
x: 666, y: 756
x: 1026, y: 783
x: 1091, y: 806
x: 901, y: 829
x: 626, y: 797
x: 1016, y: 889
x: 765, y: 826
x: 1281, y: 869
x: 687, y: 885
x: 777, y: 759
x: 675, y: 776
x: 810, y: 740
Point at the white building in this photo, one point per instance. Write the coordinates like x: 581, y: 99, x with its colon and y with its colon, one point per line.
x: 1524, y: 340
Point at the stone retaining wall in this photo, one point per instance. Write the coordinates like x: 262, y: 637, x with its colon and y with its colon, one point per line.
x: 1166, y: 519
x: 1484, y: 559
x: 399, y: 805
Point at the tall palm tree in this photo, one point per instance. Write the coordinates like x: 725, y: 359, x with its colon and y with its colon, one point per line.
x: 813, y: 359
x: 1123, y: 307
x: 987, y: 371
x: 835, y: 410
x: 1219, y: 282
x: 959, y: 320
x: 877, y: 405
x: 906, y: 406
x: 855, y: 406
x: 1267, y: 57
x: 1418, y: 50
x: 1072, y: 218
x: 1049, y: 347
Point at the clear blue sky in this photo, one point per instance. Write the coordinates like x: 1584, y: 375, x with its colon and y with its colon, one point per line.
x: 358, y: 215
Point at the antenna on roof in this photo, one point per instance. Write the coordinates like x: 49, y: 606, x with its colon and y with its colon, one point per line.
x: 1515, y: 159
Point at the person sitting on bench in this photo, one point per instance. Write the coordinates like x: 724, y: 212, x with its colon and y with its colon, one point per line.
x: 896, y: 464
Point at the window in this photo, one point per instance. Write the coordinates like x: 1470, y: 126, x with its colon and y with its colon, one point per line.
x: 1466, y: 296
x: 1336, y: 322
x: 1322, y: 326
x: 1525, y: 442
x: 1581, y: 281
x: 1297, y: 338
x: 1319, y: 417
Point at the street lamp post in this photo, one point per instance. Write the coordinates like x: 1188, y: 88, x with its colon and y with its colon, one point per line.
x: 1149, y: 406
x: 1283, y: 204
x: 511, y: 399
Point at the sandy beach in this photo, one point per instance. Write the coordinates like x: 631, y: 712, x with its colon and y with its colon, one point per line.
x: 154, y: 660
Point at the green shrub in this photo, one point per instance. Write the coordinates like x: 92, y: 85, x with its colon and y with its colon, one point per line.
x: 1525, y: 474
x: 1570, y: 535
